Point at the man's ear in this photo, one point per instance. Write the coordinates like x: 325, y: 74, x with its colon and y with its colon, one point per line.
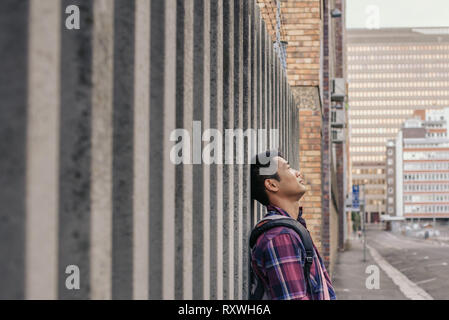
x: 272, y: 185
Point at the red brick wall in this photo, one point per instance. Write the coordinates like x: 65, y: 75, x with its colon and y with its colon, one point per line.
x: 310, y: 165
x: 301, y: 28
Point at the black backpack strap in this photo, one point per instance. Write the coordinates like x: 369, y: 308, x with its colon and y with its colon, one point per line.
x: 267, y: 224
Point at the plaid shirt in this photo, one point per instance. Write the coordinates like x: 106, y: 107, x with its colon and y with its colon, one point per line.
x: 278, y: 260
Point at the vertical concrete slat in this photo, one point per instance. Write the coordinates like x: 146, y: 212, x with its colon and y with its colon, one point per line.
x: 198, y: 106
x: 75, y: 151
x: 266, y: 77
x: 290, y: 132
x: 228, y: 168
x: 168, y: 219
x: 284, y: 103
x: 187, y: 116
x: 123, y: 150
x: 206, y: 167
x: 13, y: 130
x: 275, y: 84
x: 259, y: 90
x: 286, y: 129
x: 179, y: 170
x: 42, y: 165
x: 279, y: 79
x: 273, y: 95
x: 157, y: 95
x: 216, y: 122
x: 254, y: 91
x: 238, y: 113
x: 141, y: 138
x: 246, y: 118
x: 179, y: 200
x: 219, y: 126
x: 281, y: 101
x: 102, y: 134
x: 270, y: 90
x: 213, y: 20
x: 263, y: 45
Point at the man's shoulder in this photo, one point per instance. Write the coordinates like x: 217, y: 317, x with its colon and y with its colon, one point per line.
x: 278, y: 233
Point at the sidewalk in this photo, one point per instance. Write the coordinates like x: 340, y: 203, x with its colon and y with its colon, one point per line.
x: 349, y: 277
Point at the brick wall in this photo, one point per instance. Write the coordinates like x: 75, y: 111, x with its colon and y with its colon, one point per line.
x: 301, y: 28
x: 310, y: 164
x: 302, y: 23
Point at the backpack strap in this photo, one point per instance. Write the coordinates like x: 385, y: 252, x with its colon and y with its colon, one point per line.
x: 273, y: 222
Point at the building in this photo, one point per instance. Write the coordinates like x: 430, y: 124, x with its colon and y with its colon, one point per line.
x: 391, y: 73
x: 418, y: 167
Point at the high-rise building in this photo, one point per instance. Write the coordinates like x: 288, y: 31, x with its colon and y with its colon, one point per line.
x: 391, y: 73
x: 418, y: 167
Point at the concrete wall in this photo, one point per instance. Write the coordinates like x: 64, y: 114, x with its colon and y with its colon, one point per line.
x: 86, y: 118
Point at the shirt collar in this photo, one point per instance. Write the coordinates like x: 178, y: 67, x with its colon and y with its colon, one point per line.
x: 271, y: 209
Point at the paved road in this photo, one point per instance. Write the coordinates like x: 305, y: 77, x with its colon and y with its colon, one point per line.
x: 423, y: 262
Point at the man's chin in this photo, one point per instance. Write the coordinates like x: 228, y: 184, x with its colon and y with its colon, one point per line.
x: 302, y: 192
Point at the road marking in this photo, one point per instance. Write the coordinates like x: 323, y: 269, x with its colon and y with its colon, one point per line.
x: 437, y: 264
x: 425, y: 281
x: 408, y: 288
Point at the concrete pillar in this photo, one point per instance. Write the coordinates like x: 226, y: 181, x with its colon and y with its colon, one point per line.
x: 14, y: 23
x: 94, y: 112
x: 123, y: 149
x: 142, y: 147
x: 42, y: 190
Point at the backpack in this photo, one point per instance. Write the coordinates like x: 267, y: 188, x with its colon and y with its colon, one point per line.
x: 257, y: 291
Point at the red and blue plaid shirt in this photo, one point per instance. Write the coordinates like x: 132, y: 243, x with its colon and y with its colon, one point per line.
x: 278, y: 260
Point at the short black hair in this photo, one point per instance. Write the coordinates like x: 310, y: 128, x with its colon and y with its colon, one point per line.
x: 258, y: 191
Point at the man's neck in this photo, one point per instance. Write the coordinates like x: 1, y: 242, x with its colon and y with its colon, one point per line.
x: 291, y: 207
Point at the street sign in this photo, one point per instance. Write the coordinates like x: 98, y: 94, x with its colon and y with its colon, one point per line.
x: 355, y: 196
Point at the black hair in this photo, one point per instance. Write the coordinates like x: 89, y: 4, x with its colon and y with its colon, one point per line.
x: 258, y: 190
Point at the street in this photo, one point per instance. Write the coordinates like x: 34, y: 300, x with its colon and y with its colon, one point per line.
x: 409, y: 268
x: 424, y: 262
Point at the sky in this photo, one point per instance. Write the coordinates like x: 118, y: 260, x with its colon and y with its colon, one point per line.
x: 397, y: 13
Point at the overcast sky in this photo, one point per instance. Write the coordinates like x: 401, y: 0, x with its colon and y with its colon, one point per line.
x: 397, y: 13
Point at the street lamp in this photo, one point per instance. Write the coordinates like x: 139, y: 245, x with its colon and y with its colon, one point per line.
x: 364, y: 223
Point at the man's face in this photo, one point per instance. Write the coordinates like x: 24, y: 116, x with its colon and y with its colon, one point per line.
x: 292, y: 182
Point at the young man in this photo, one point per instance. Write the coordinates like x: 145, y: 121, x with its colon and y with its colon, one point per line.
x: 278, y: 257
